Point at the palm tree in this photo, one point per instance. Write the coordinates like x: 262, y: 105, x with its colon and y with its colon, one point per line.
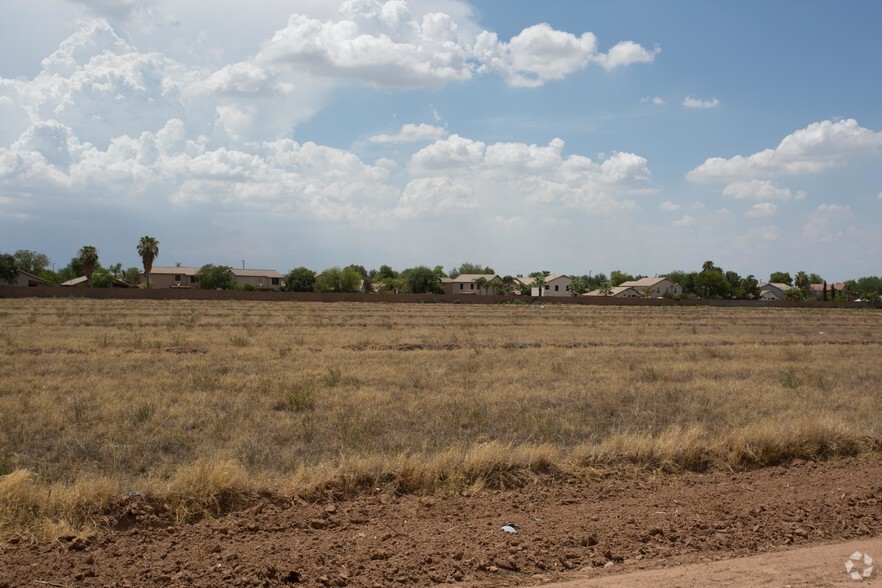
x: 88, y: 256
x: 148, y: 249
x: 801, y: 281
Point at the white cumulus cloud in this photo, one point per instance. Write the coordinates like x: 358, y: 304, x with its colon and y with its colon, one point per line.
x: 626, y: 53
x: 669, y: 206
x: 760, y: 190
x: 503, y: 173
x: 818, y: 147
x: 690, y: 102
x: 411, y: 133
x: 763, y: 209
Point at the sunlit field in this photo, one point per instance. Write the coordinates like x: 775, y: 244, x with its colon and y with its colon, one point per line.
x: 197, y: 404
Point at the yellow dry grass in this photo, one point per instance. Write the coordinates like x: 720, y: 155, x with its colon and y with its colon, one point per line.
x: 197, y: 404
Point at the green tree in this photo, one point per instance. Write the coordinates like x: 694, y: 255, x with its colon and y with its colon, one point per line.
x: 580, y: 285
x: 215, y: 277
x: 708, y: 266
x: 148, y: 249
x: 8, y: 268
x: 748, y: 288
x: 385, y: 273
x: 32, y: 262
x: 132, y: 276
x: 538, y: 282
x: 335, y: 279
x: 470, y: 268
x: 801, y: 281
x: 781, y: 278
x: 300, y: 279
x: 616, y: 277
x: 101, y: 278
x: 421, y: 280
x: 606, y: 289
x: 794, y: 294
x: 88, y: 255
x: 711, y: 284
x: 364, y: 277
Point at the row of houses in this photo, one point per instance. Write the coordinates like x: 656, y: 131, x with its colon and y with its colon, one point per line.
x: 554, y: 285
x: 778, y: 291
x: 168, y: 277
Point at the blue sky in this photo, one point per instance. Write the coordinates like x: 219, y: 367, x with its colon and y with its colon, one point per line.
x: 568, y: 136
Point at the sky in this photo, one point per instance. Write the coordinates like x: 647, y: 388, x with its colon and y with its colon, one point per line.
x: 569, y: 136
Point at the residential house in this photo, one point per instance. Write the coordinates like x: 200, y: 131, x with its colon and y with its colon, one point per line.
x: 555, y: 285
x: 617, y: 292
x: 817, y: 290
x: 654, y: 287
x: 261, y: 279
x: 470, y: 284
x: 26, y: 280
x: 773, y: 291
x: 162, y: 276
x: 83, y: 282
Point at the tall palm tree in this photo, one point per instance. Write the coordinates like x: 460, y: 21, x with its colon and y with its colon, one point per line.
x: 148, y: 249
x: 88, y: 256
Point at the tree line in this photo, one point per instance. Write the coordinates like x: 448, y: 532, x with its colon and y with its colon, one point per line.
x: 711, y: 281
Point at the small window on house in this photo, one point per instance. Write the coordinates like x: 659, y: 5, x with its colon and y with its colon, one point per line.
x: 568, y: 287
x: 192, y: 279
x: 556, y: 287
x: 461, y: 286
x: 276, y: 281
x: 471, y: 286
x: 177, y: 277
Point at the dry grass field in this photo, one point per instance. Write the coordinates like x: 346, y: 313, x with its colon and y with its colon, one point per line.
x: 197, y: 404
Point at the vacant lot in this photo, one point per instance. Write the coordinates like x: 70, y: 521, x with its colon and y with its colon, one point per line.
x: 199, y: 405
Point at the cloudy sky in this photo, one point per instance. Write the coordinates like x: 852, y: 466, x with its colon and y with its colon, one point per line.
x: 569, y: 136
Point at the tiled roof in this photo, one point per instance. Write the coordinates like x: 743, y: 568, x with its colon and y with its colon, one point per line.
x: 469, y: 278
x: 642, y: 283
x: 256, y: 273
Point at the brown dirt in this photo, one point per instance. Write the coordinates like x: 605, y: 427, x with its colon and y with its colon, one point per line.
x: 568, y: 529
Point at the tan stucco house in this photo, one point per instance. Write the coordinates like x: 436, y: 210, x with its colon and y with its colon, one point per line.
x: 654, y: 287
x: 261, y: 279
x: 25, y: 280
x: 467, y: 284
x: 555, y: 285
x: 162, y: 276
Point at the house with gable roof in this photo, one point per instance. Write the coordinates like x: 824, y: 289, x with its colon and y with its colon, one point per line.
x: 469, y: 284
x: 773, y: 291
x: 654, y: 287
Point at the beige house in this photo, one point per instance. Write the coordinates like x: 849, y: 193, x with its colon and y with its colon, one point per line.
x: 468, y: 284
x: 555, y: 285
x: 162, y: 276
x: 817, y: 290
x: 261, y: 279
x: 26, y: 280
x: 617, y: 292
x: 773, y: 291
x: 654, y: 287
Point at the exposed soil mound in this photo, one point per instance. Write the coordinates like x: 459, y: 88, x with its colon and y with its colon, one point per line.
x: 590, y: 528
